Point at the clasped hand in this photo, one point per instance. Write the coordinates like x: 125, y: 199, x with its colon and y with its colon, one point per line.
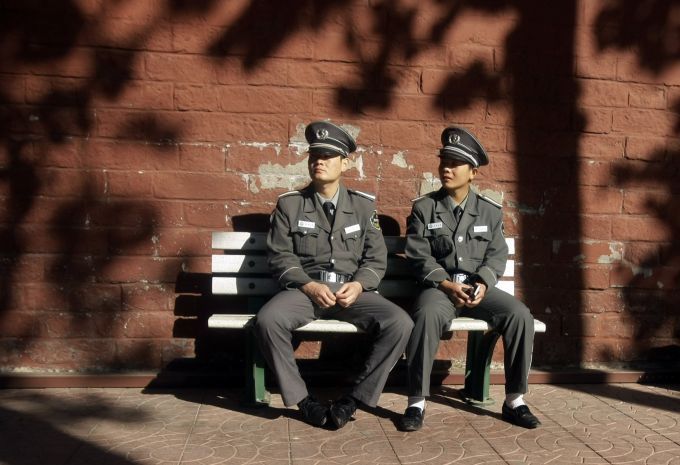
x: 458, y: 295
x: 322, y: 296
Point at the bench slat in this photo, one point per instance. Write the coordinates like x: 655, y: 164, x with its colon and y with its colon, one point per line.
x: 336, y: 326
x: 224, y: 240
x: 257, y: 264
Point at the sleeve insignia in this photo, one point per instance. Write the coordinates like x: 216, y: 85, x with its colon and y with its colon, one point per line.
x: 374, y: 220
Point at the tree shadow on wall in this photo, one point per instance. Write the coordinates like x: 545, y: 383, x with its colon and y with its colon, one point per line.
x: 57, y: 216
x: 648, y: 27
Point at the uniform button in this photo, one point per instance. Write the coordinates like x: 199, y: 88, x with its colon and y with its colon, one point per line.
x: 332, y: 260
x: 332, y: 237
x: 460, y: 259
x: 460, y: 238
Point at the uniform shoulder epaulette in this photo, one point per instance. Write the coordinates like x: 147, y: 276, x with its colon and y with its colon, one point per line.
x: 363, y: 194
x: 490, y: 200
x: 286, y: 194
x: 428, y: 195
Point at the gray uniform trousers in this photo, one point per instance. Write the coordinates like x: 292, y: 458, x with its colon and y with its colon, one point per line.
x: 388, y: 323
x: 433, y: 311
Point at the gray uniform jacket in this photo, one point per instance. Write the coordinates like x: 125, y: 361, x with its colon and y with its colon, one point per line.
x: 438, y: 247
x: 301, y: 241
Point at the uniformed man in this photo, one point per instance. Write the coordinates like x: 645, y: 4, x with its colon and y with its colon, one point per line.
x: 328, y: 254
x: 455, y: 244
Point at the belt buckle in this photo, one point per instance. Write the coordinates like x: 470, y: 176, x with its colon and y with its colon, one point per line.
x: 331, y: 277
x: 459, y: 277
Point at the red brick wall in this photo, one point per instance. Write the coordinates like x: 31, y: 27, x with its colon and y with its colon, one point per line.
x: 131, y: 130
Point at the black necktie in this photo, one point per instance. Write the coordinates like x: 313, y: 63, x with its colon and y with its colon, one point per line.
x: 329, y: 209
x: 458, y: 213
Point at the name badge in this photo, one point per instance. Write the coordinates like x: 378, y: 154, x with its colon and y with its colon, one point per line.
x: 481, y: 228
x: 353, y: 228
x: 306, y: 224
x: 434, y: 225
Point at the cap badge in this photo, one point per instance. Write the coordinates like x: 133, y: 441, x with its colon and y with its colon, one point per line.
x: 322, y: 134
x: 454, y: 138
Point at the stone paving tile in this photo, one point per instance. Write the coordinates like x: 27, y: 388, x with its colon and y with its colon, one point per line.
x: 582, y: 424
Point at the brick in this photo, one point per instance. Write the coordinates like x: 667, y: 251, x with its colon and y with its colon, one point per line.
x: 474, y: 112
x: 641, y: 228
x: 121, y: 212
x: 188, y: 38
x: 134, y: 269
x: 640, y: 96
x: 176, y: 348
x: 206, y: 214
x: 264, y: 100
x: 332, y: 105
x: 78, y: 354
x: 601, y: 146
x: 644, y: 254
x: 179, y: 68
x: 26, y: 268
x: 179, y: 243
x: 129, y: 183
x: 595, y: 173
x: 647, y: 122
x: 13, y: 89
x: 202, y: 157
x: 19, y: 324
x: 125, y: 155
x: 401, y: 135
x: 602, y: 66
x: 645, y: 148
x: 197, y: 97
x: 627, y: 275
x: 594, y: 120
x: 142, y: 296
x: 47, y: 239
x: 141, y: 354
x: 628, y: 69
x: 612, y: 324
x: 598, y: 93
x: 147, y: 324
x: 197, y: 185
x: 645, y: 202
x: 273, y: 72
x: 66, y: 154
x: 324, y: 74
x: 140, y: 95
x: 602, y: 252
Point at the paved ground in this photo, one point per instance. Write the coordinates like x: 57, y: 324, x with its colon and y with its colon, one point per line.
x: 593, y: 424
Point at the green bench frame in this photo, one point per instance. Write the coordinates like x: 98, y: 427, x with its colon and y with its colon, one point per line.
x: 239, y: 267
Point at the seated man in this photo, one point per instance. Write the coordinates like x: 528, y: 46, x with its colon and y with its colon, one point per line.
x: 455, y: 243
x: 328, y: 253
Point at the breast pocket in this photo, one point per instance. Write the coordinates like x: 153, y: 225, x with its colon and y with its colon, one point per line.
x: 352, y: 241
x: 441, y: 242
x: 305, y: 240
x: 478, y: 243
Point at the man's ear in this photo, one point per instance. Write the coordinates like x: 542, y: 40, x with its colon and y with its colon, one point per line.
x: 345, y: 164
x: 473, y: 173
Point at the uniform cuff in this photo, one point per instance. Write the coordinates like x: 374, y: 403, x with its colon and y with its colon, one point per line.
x: 488, y: 276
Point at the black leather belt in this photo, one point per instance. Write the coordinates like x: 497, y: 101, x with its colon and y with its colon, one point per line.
x: 330, y: 277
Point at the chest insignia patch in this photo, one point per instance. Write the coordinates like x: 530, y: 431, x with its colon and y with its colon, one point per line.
x: 306, y: 224
x: 438, y: 225
x: 483, y: 228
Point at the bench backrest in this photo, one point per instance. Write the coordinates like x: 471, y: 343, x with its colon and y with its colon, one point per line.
x: 239, y: 267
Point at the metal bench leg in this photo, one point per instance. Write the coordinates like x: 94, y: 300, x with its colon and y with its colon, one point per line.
x: 255, y: 393
x: 480, y: 347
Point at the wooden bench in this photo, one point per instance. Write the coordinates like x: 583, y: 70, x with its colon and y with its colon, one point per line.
x: 239, y: 267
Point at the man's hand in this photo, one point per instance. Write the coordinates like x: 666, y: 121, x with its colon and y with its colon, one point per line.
x: 480, y: 295
x: 455, y: 292
x: 348, y: 293
x: 319, y: 293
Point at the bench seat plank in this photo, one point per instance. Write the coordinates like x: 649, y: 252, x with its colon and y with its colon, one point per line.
x: 335, y: 326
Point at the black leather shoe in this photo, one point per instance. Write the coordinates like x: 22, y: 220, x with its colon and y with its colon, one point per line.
x: 520, y: 416
x: 342, y: 410
x: 412, y: 420
x: 313, y: 411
